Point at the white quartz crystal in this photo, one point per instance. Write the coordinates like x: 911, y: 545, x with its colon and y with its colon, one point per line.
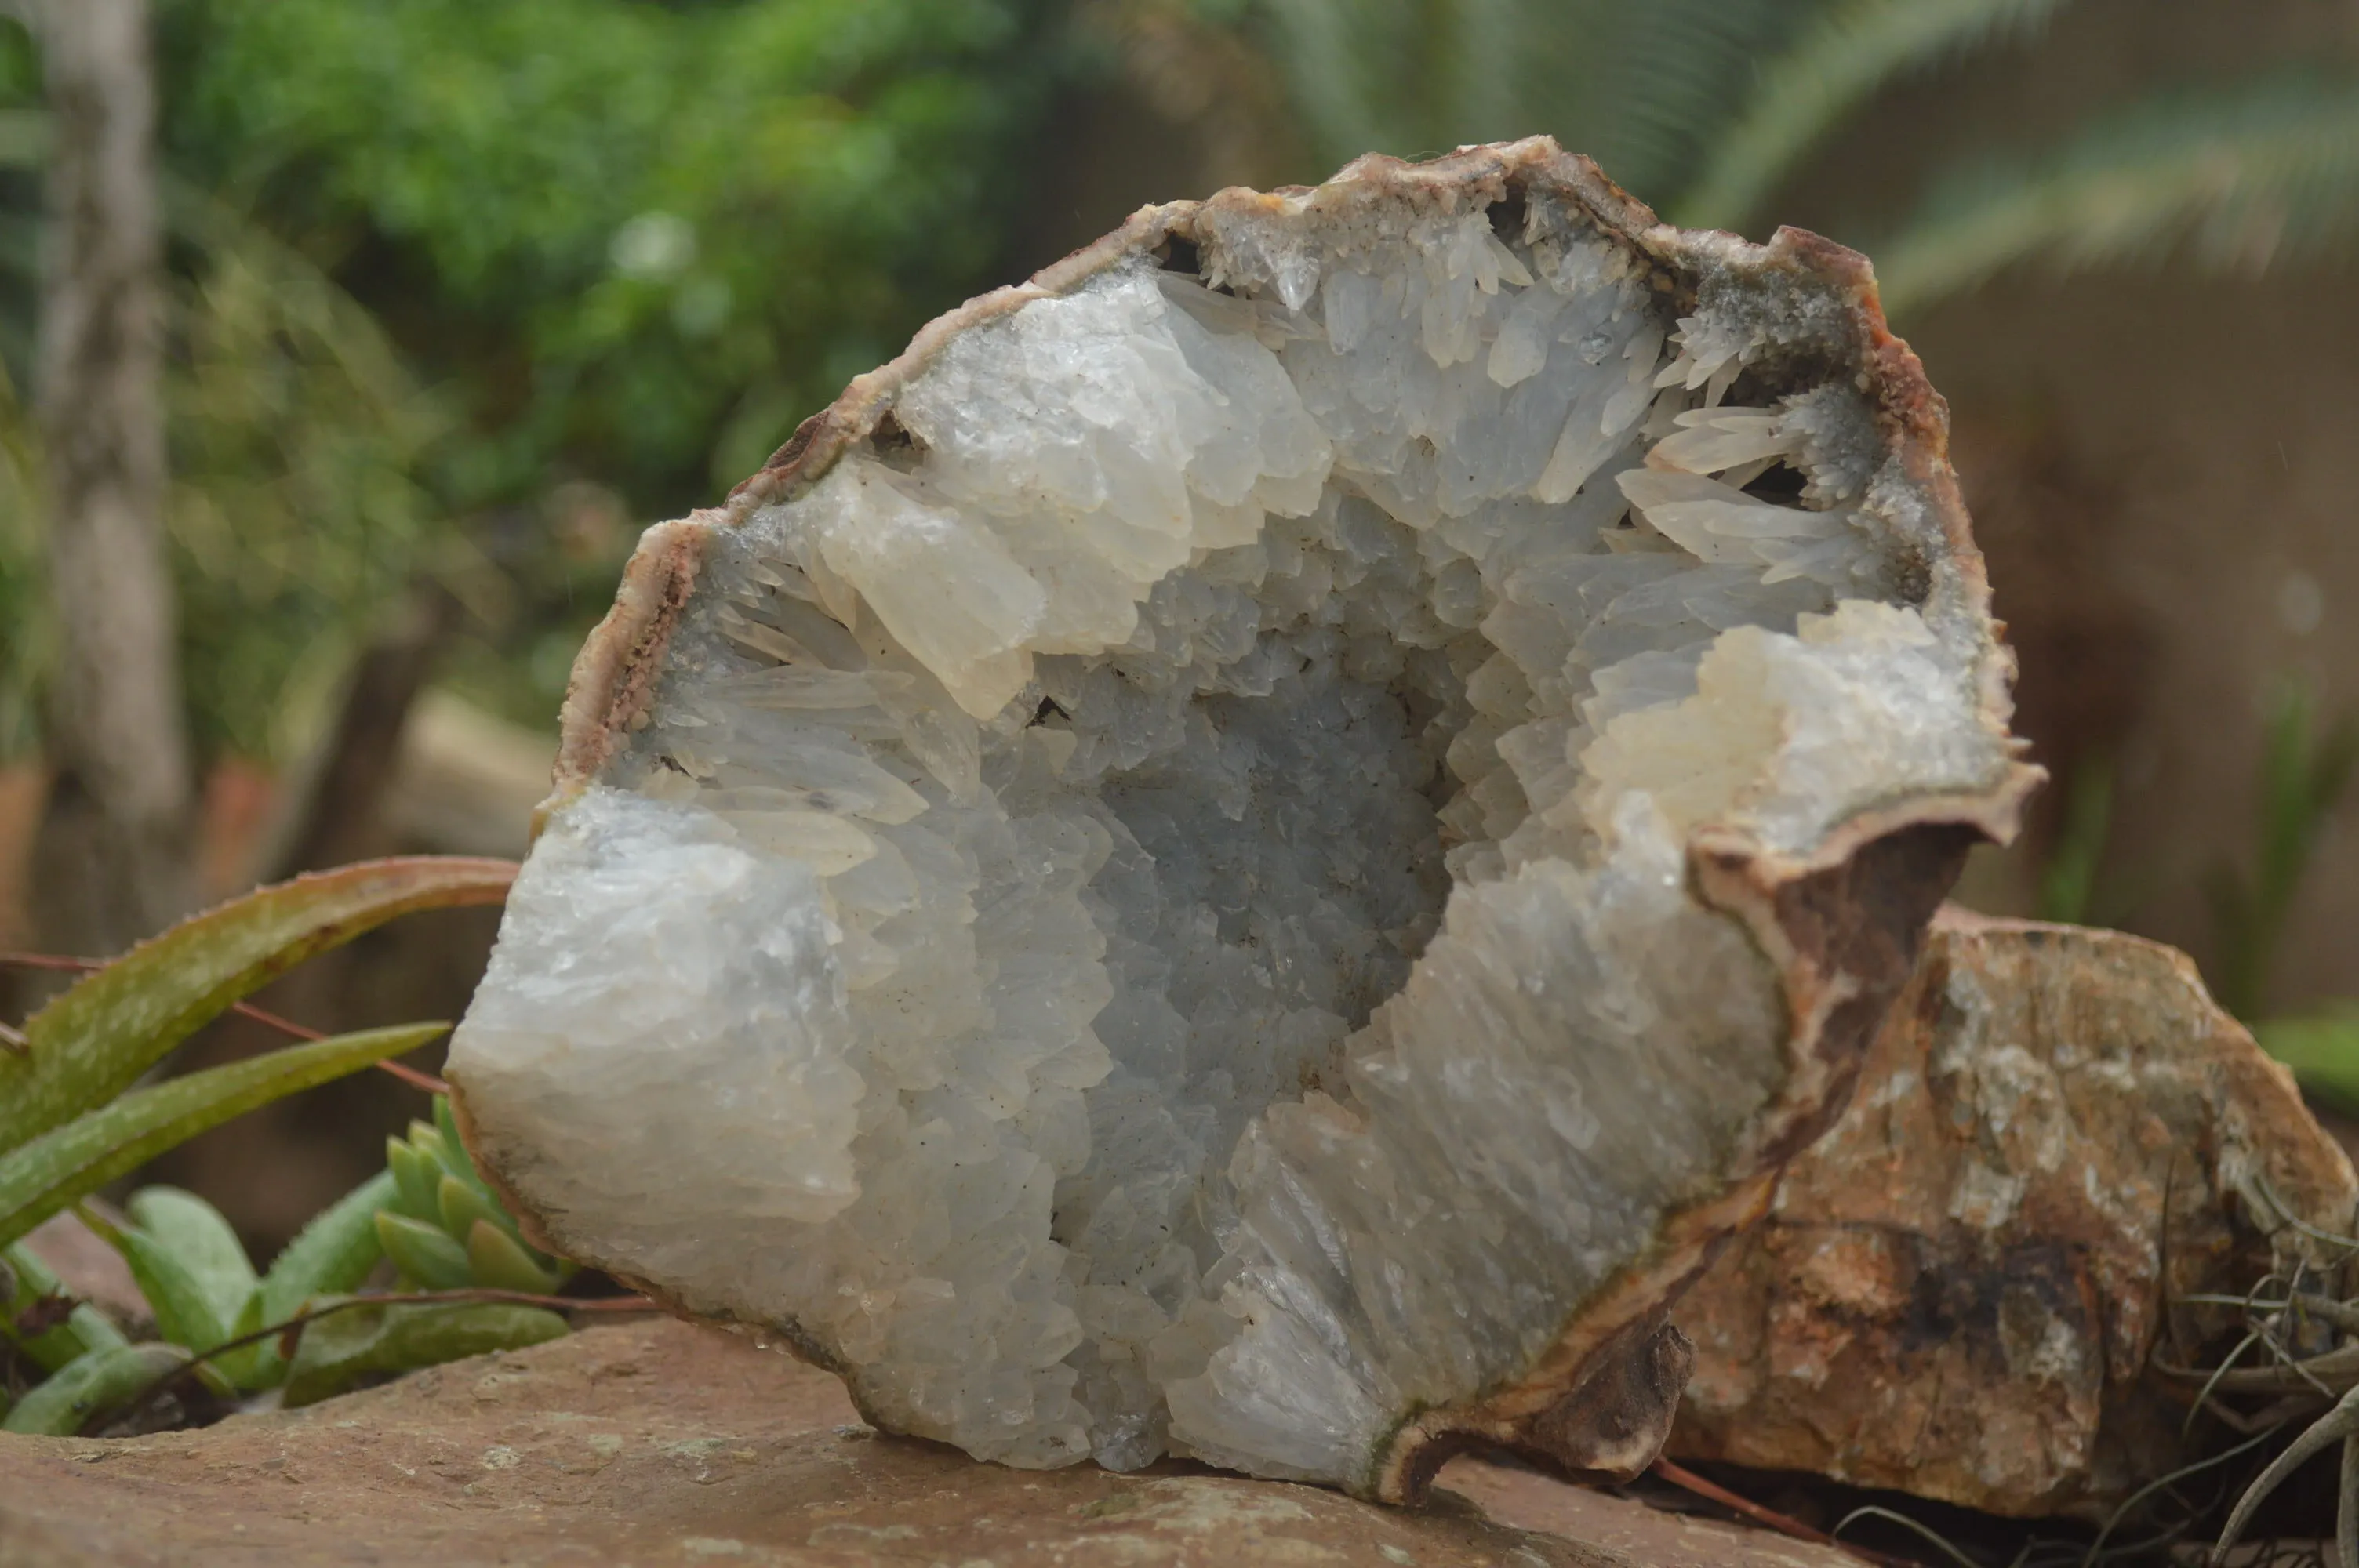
x: 1148, y: 912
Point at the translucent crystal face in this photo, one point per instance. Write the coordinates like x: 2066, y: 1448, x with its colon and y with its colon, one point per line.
x: 1148, y: 909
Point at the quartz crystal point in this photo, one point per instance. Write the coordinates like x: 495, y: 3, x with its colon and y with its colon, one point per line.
x: 1256, y: 849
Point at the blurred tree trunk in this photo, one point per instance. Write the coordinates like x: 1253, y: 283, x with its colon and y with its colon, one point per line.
x: 113, y: 859
x: 338, y: 811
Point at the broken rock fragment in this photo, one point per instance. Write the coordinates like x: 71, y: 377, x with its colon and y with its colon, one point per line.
x: 1959, y: 1289
x: 1256, y: 848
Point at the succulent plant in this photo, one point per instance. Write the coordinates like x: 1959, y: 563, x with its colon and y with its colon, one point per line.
x: 443, y: 1228
x: 75, y: 1116
x: 1257, y: 848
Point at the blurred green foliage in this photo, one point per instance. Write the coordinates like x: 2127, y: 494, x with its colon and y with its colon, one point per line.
x: 643, y: 240
x: 74, y: 1116
x: 2303, y: 775
x: 298, y: 509
x: 1708, y: 109
x: 464, y: 292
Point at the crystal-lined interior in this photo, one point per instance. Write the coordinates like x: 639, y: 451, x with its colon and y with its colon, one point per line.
x: 1176, y: 843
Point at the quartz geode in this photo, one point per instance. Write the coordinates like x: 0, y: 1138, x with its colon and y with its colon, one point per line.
x: 1258, y: 848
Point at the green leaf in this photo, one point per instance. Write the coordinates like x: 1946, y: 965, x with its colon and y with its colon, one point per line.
x: 250, y: 1368
x: 193, y: 1231
x: 185, y: 1313
x: 91, y: 1387
x: 72, y: 1160
x: 459, y: 1207
x: 2241, y: 176
x: 333, y: 1254
x: 332, y: 1257
x: 450, y: 1154
x: 496, y: 1257
x: 446, y: 1122
x: 92, y: 1042
x: 85, y: 1329
x: 415, y: 1177
x: 424, y: 1253
x: 337, y: 1350
x: 1842, y: 60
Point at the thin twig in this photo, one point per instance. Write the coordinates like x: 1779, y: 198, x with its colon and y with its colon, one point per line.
x: 1768, y: 1519
x: 2330, y: 1373
x: 411, y: 1075
x: 2349, y: 1246
x: 290, y: 1332
x: 2331, y: 1428
x: 2204, y: 1394
x: 15, y: 1041
x: 2343, y: 1315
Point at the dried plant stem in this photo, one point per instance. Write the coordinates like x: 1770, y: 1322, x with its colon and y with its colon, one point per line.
x: 291, y: 1329
x: 2339, y: 1424
x: 1768, y: 1519
x: 2346, y: 1512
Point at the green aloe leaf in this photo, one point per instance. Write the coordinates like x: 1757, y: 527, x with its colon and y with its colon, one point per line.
x: 95, y: 1384
x: 332, y: 1255
x: 497, y: 1259
x: 337, y: 1350
x: 199, y: 1238
x: 72, y: 1160
x: 84, y: 1330
x: 425, y: 1254
x: 92, y: 1042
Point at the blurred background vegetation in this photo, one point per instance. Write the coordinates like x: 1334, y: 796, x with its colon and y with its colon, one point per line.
x: 459, y: 296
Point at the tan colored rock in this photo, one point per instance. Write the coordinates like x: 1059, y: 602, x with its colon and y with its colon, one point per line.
x: 1959, y: 1286
x: 659, y: 1445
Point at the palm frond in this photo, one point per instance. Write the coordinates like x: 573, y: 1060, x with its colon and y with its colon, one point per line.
x: 1837, y: 64
x: 2241, y: 178
x: 1337, y: 66
x: 1638, y: 84
x: 1671, y: 76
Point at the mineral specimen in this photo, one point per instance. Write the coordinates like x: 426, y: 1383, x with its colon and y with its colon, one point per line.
x: 1960, y: 1288
x: 1256, y: 848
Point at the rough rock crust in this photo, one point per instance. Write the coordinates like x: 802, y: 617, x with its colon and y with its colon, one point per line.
x: 1839, y: 918
x: 1960, y: 1287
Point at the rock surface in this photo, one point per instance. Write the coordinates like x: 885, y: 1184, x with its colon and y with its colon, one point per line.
x: 654, y: 1443
x: 1959, y: 1285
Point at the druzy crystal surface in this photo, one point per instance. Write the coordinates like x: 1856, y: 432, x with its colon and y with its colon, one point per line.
x: 1135, y: 893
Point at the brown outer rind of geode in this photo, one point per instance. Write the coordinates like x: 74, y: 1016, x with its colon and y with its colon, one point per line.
x: 2059, y: 1147
x: 1842, y: 923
